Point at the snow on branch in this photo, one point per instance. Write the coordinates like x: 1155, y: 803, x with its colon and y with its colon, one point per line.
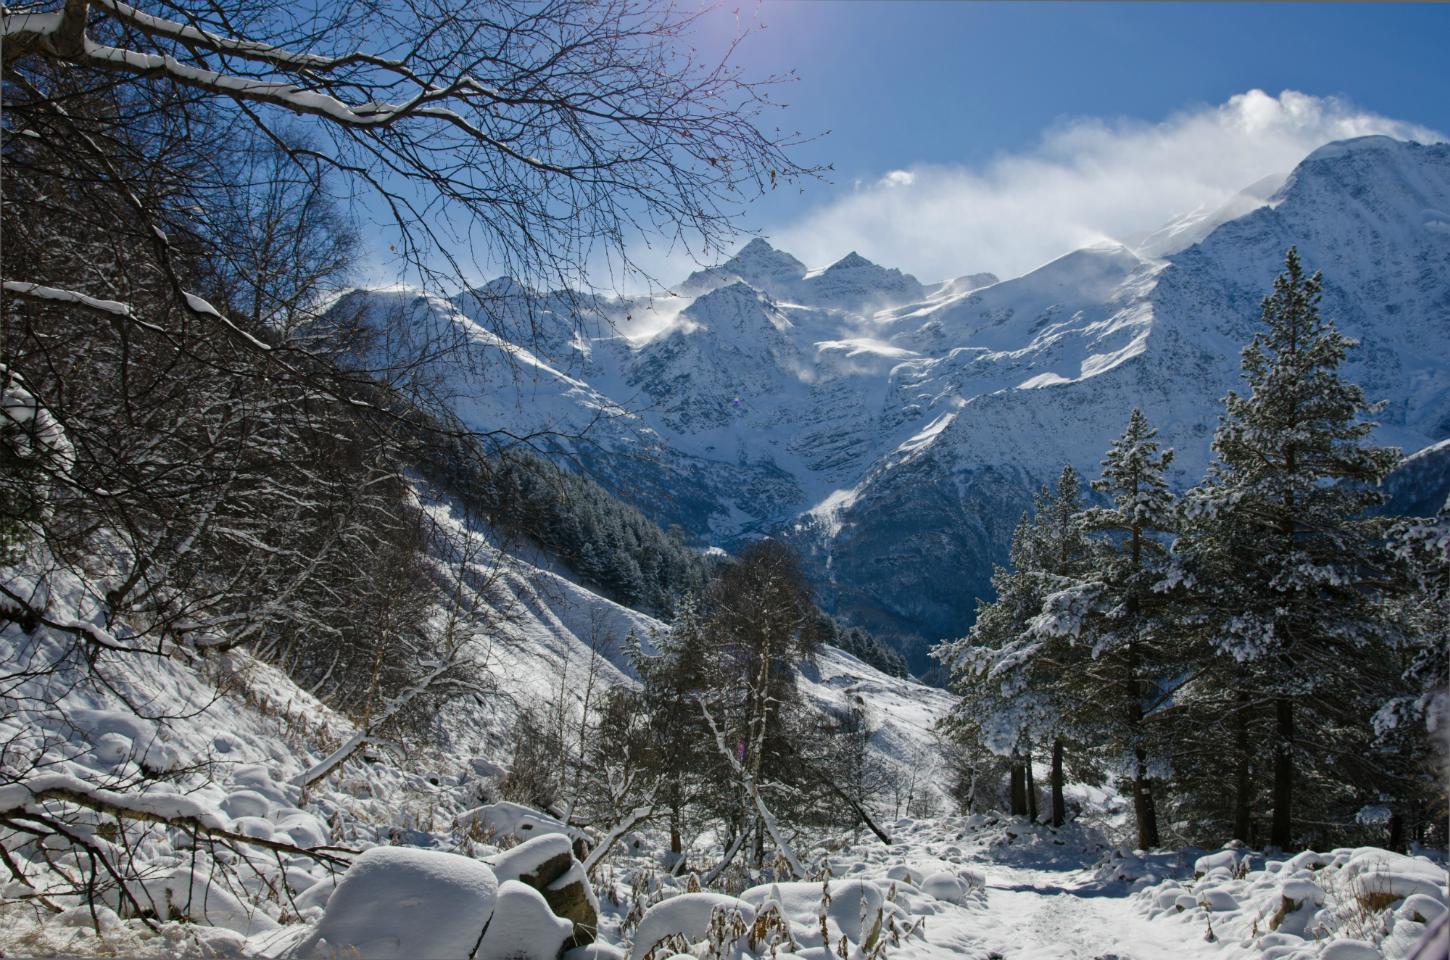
x: 366, y: 733
x: 25, y: 797
x: 16, y: 608
x: 636, y: 816
x: 36, y: 291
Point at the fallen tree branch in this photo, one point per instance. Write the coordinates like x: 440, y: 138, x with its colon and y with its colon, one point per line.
x: 636, y: 816
x: 719, y: 868
x: 172, y: 810
x: 368, y: 733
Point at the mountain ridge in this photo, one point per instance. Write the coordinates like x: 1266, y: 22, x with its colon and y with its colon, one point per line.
x: 895, y: 430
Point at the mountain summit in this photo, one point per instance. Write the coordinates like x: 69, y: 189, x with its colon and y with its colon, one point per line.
x: 758, y: 264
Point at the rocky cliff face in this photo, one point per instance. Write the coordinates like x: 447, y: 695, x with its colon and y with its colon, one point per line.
x: 896, y: 430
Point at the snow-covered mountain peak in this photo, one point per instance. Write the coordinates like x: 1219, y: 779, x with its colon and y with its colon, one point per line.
x: 759, y: 251
x: 502, y: 287
x: 758, y: 264
x: 853, y: 282
x: 737, y: 307
x: 851, y: 261
x: 1373, y: 143
x: 1375, y: 176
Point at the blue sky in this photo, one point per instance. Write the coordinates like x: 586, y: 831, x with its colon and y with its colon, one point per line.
x: 904, y: 82
x: 979, y: 136
x: 1003, y: 113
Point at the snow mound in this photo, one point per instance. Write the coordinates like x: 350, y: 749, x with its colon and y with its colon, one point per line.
x: 505, y: 819
x: 1349, y: 904
x: 190, y: 894
x: 399, y: 903
x: 861, y: 911
x: 691, y: 917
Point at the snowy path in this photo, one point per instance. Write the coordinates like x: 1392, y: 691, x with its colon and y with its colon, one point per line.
x: 1060, y: 915
x: 1043, y: 901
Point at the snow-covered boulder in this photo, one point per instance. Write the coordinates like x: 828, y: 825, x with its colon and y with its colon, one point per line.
x: 246, y: 803
x: 901, y: 872
x: 547, y: 864
x: 689, y: 916
x: 303, y: 829
x: 523, y: 927
x: 1376, y: 871
x: 1350, y: 950
x: 947, y: 887
x: 400, y: 903
x: 1217, y: 900
x: 1422, y: 909
x: 1229, y: 860
x: 1348, y: 904
x: 505, y: 819
x: 596, y: 951
x: 1302, y: 890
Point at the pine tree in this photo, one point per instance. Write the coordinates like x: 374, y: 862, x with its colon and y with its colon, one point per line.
x: 677, y: 758
x: 1278, y: 544
x: 1413, y: 719
x: 1006, y: 671
x: 1114, y: 611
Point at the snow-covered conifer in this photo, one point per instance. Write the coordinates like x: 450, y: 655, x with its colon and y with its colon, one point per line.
x: 1007, y: 671
x: 1286, y: 565
x: 1112, y: 611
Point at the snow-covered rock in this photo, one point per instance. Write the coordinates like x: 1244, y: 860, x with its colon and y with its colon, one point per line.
x: 1354, y: 904
x: 400, y: 903
x: 507, y: 819
x: 523, y: 927
x: 547, y: 864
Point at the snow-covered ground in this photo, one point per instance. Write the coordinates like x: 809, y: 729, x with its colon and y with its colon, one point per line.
x: 222, y: 739
x: 204, y: 755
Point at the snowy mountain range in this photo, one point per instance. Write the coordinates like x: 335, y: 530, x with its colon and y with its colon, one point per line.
x: 896, y: 429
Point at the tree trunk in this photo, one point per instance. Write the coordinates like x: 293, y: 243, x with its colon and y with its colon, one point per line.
x: 1145, y: 811
x: 1281, y: 831
x: 1031, y: 791
x: 1059, y: 809
x: 1243, y: 786
x: 1019, y: 791
x: 676, y: 846
x: 1397, y: 832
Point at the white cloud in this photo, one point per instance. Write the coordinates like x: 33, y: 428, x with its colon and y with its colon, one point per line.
x: 1085, y: 181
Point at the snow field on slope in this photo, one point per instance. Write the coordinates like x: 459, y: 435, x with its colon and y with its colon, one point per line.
x: 222, y: 737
